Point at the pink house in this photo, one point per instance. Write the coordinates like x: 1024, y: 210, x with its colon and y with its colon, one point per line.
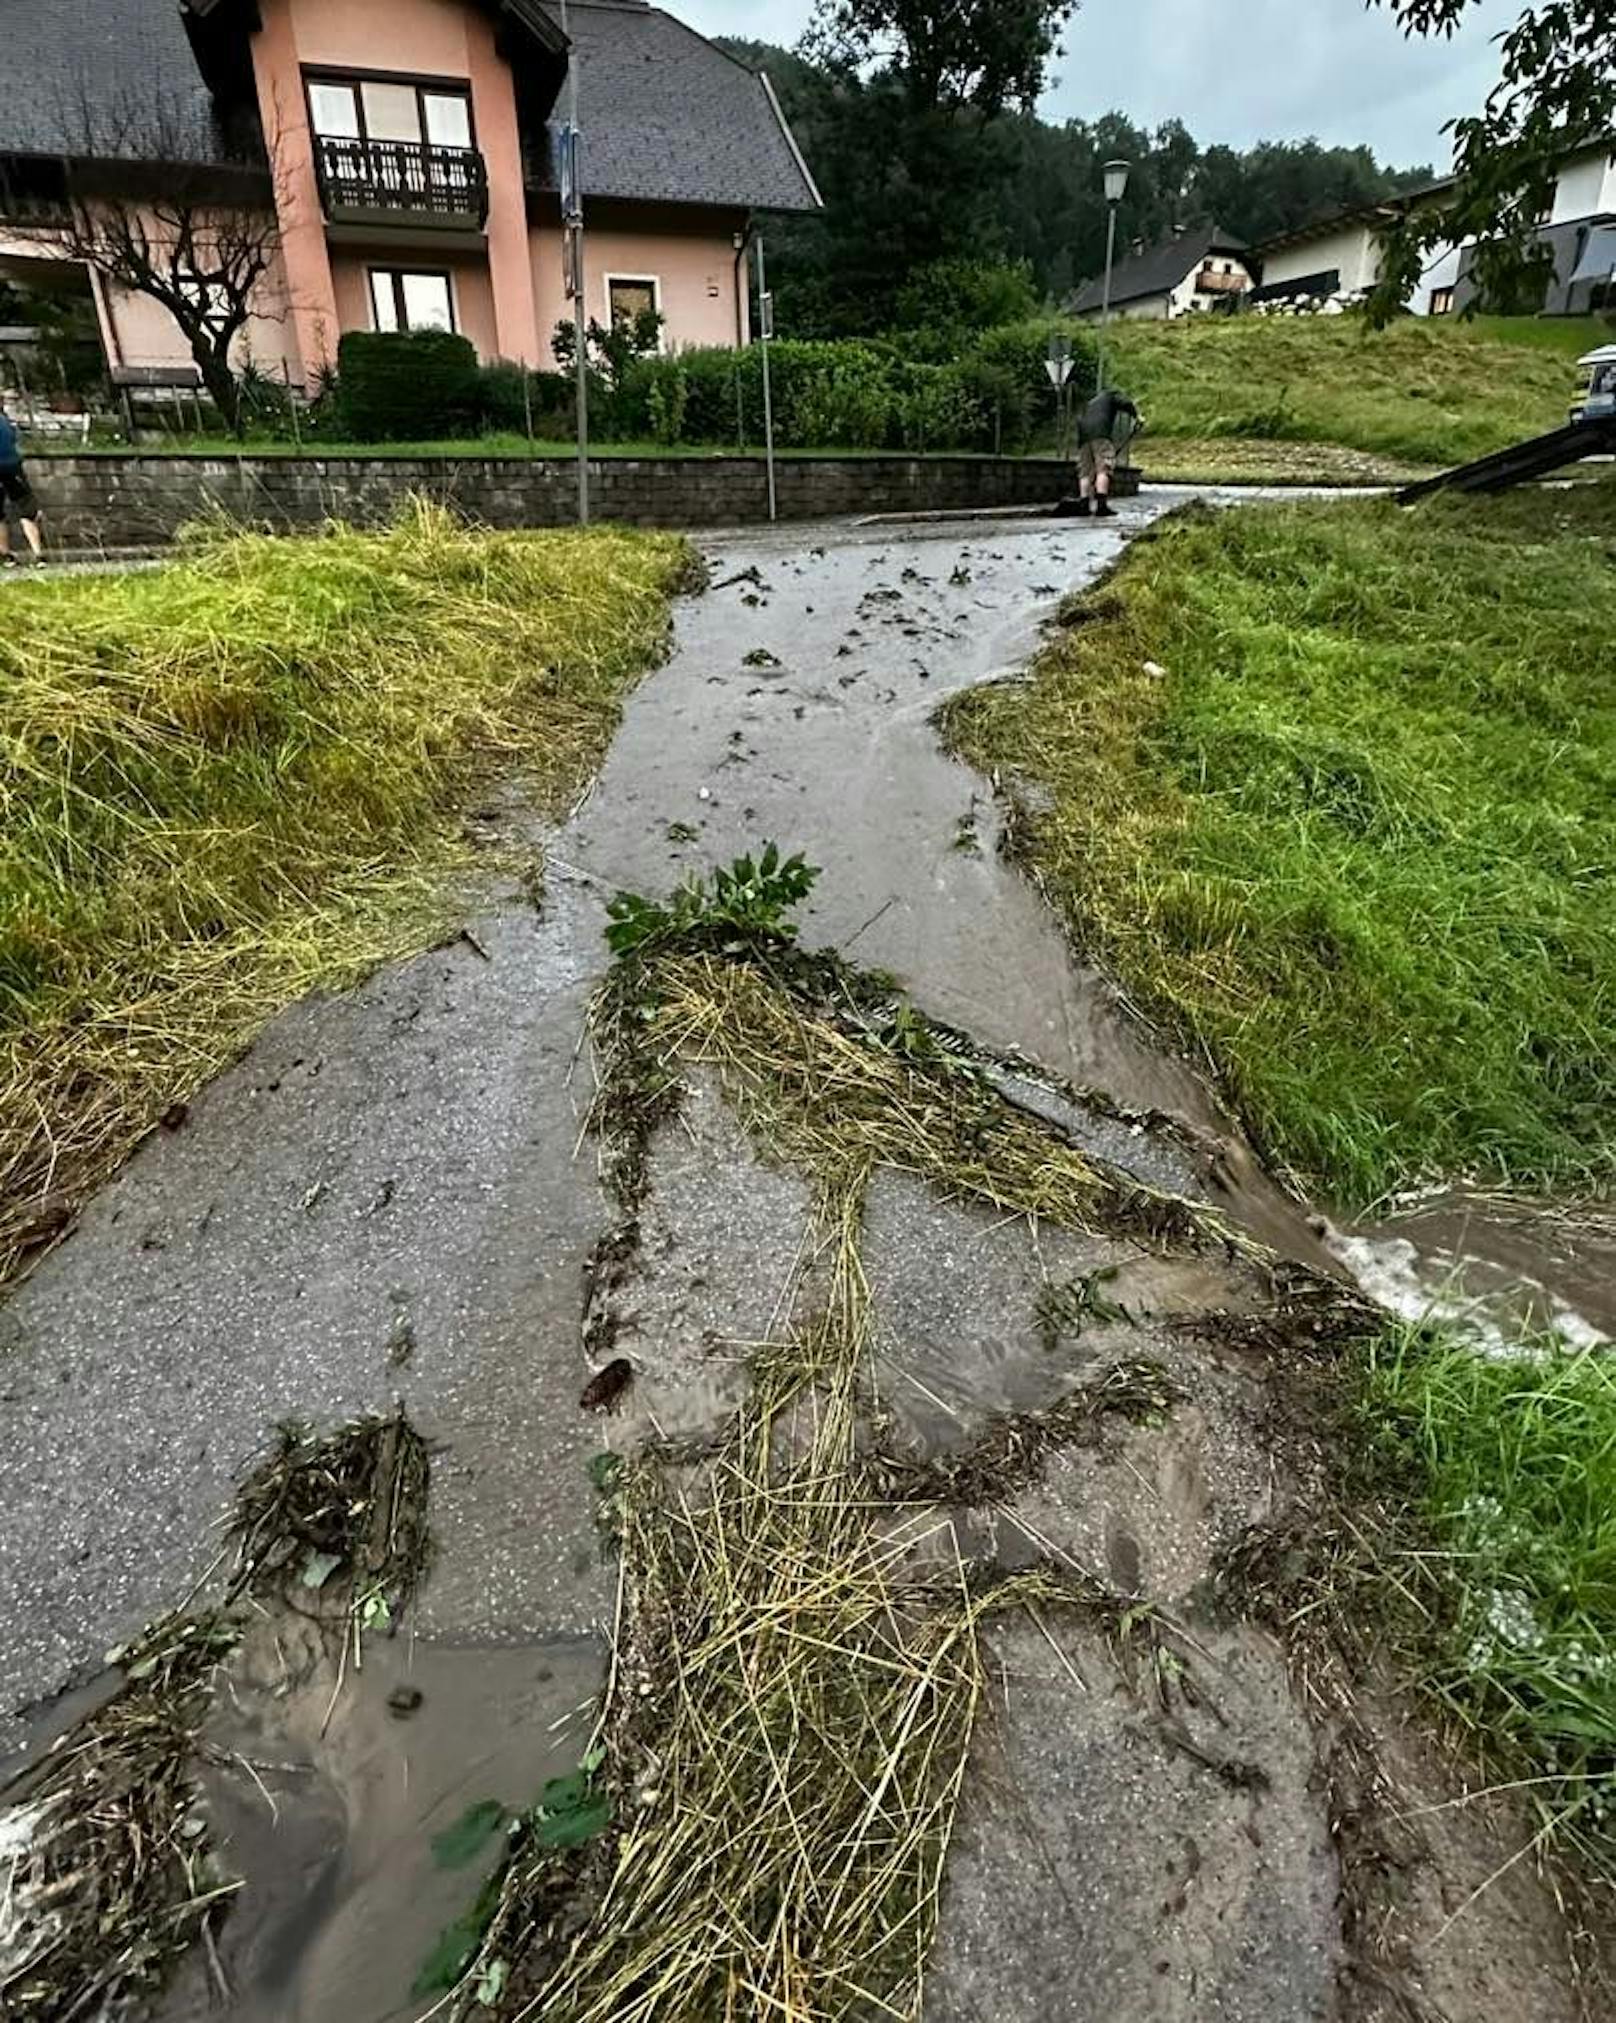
x: 408, y: 149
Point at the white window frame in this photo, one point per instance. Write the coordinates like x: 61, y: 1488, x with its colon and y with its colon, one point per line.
x: 385, y: 267
x: 653, y: 282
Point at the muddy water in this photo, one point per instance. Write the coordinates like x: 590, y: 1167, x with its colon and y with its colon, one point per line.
x: 327, y: 1805
x: 797, y: 708
x: 1497, y: 1270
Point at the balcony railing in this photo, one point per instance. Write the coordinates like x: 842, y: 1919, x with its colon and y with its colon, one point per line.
x: 1210, y: 281
x: 362, y: 179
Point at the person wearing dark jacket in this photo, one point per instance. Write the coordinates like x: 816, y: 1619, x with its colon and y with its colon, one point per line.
x: 16, y: 493
x: 1099, y: 434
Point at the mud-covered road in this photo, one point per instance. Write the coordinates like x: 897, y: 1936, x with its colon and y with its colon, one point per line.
x: 390, y: 1199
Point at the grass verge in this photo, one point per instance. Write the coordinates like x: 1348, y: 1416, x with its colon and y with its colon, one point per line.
x: 1427, y: 390
x: 1512, y: 1607
x: 234, y: 780
x: 1244, y: 460
x: 1328, y: 788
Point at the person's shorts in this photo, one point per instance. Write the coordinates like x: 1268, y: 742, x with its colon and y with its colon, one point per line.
x: 16, y: 491
x: 1094, y: 457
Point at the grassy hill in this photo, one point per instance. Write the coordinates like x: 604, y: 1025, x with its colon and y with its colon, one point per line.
x: 1422, y: 392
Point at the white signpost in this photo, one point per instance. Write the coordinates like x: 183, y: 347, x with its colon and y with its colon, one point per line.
x: 1059, y: 367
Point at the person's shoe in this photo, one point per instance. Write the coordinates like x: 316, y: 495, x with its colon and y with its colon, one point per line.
x: 8, y: 561
x: 1105, y: 510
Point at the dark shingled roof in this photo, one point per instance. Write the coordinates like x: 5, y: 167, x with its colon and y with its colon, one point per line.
x: 667, y: 114
x: 72, y: 64
x: 1159, y: 269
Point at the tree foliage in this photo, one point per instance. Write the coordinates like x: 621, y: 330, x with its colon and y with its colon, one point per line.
x: 913, y: 191
x: 948, y: 54
x: 1556, y: 92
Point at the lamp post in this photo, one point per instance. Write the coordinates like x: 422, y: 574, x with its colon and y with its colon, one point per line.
x: 572, y: 231
x: 1116, y: 188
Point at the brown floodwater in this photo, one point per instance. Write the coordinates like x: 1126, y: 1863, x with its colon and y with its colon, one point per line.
x: 326, y: 1804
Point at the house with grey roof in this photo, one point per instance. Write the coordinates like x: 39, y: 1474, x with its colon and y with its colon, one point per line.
x: 1198, y: 269
x: 409, y: 156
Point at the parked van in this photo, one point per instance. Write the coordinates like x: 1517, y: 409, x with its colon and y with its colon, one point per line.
x: 1598, y: 399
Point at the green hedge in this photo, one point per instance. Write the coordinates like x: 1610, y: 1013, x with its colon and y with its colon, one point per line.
x: 408, y: 386
x: 854, y: 394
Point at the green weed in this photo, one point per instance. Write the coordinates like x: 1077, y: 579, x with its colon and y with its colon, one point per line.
x: 744, y: 900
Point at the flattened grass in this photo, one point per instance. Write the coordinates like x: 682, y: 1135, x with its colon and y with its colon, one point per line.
x: 233, y: 781
x: 1330, y: 789
x: 1426, y: 391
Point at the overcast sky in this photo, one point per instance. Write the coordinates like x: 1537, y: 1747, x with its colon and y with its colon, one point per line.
x: 1236, y: 70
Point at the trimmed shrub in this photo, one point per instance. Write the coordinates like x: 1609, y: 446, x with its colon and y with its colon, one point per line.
x: 408, y: 385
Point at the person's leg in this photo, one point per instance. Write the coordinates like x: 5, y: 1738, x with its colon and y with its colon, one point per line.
x: 6, y: 555
x: 1105, y: 462
x: 1085, y: 475
x: 35, y: 538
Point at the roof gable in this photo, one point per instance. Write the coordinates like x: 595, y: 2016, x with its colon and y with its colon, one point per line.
x: 668, y: 116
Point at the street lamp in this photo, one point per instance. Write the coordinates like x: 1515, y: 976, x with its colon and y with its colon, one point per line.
x: 1116, y: 188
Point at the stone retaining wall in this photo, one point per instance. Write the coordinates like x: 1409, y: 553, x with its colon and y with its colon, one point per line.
x: 136, y: 501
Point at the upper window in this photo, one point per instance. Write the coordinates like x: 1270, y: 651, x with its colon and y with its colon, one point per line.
x: 1441, y: 301
x: 385, y: 109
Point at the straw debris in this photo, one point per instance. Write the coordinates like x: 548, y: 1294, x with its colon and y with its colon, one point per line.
x: 107, y: 1873
x: 799, y: 1663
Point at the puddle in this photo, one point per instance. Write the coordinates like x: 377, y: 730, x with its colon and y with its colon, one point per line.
x: 1498, y: 1272
x: 333, y: 1832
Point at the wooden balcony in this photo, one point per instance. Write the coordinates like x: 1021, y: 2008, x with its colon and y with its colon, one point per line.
x: 1212, y: 281
x: 368, y: 182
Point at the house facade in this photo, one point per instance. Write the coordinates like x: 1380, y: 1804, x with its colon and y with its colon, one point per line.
x: 1333, y: 264
x: 408, y: 152
x: 1195, y: 272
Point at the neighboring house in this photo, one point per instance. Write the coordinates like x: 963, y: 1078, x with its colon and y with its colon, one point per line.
x: 408, y: 149
x: 1198, y: 269
x: 1333, y: 264
x: 1580, y: 230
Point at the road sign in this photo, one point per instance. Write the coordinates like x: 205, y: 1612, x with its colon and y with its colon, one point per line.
x: 1059, y: 370
x: 572, y: 208
x: 766, y: 315
x: 573, y: 261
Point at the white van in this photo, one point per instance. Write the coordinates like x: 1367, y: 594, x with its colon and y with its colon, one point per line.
x: 1598, y: 398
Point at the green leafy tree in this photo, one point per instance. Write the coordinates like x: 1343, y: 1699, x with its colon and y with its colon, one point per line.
x: 1556, y: 93
x: 951, y: 55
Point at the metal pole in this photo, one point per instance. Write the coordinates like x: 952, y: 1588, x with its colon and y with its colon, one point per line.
x: 573, y: 228
x: 765, y: 319
x: 291, y: 404
x: 1105, y: 304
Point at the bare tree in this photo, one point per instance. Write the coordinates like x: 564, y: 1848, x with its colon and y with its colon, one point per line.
x: 162, y: 204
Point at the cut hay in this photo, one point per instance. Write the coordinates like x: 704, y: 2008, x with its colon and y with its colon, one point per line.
x: 234, y: 780
x: 107, y: 1873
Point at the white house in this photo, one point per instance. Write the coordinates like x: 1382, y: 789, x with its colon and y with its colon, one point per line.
x: 1332, y: 264
x: 1199, y: 269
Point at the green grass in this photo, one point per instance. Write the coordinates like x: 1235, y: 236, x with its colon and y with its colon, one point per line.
x: 1428, y: 391
x: 1514, y: 1625
x: 1329, y: 789
x: 235, y: 779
